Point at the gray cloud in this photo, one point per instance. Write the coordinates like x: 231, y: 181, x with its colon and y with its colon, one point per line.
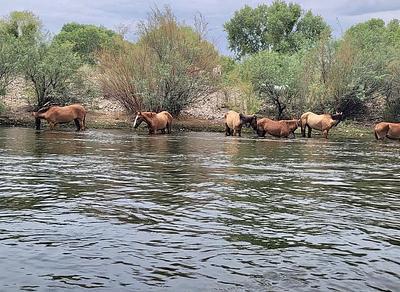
x: 340, y: 14
x: 362, y: 7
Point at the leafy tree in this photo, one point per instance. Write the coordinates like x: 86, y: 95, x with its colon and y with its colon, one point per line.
x: 274, y: 77
x: 348, y: 74
x: 87, y: 39
x: 170, y: 67
x: 53, y: 71
x: 280, y: 27
x: 21, y: 24
x: 9, y: 61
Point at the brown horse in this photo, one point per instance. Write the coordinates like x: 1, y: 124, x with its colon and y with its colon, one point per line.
x: 322, y: 122
x: 387, y: 130
x: 61, y: 114
x: 283, y: 128
x: 155, y: 121
x: 235, y: 121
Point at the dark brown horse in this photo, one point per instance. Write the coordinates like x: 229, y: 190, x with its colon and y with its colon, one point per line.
x: 322, y: 122
x: 235, y: 121
x: 155, y: 121
x: 61, y: 114
x: 282, y: 128
x: 387, y: 130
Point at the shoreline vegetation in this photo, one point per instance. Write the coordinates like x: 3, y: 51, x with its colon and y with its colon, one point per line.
x: 174, y: 67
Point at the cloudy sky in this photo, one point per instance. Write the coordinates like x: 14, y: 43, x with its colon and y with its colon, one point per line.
x: 340, y: 14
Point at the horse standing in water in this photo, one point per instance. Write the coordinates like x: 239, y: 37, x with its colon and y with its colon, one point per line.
x: 322, y: 122
x: 387, y: 130
x: 54, y: 115
x: 235, y: 121
x: 282, y: 128
x: 155, y: 121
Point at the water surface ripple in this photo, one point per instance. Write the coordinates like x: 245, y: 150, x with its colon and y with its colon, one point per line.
x: 117, y: 211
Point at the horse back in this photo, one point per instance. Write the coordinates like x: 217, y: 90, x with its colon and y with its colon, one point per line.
x: 232, y: 119
x: 66, y: 113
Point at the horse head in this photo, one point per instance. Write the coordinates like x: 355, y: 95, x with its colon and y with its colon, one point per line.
x: 248, y: 121
x: 138, y: 120
x: 337, y: 117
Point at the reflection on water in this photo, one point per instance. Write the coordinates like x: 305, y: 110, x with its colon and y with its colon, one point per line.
x: 116, y: 211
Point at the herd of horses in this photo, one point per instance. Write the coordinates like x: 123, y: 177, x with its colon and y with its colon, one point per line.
x: 234, y: 122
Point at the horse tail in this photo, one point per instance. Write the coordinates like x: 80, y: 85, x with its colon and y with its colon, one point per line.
x: 303, y: 123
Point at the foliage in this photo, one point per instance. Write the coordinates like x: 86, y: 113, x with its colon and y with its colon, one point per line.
x: 280, y: 27
x: 274, y: 77
x: 53, y: 71
x: 9, y: 61
x: 170, y: 67
x: 87, y: 39
x: 240, y: 94
x: 348, y: 74
x: 21, y: 24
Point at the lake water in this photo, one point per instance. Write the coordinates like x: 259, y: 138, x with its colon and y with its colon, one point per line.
x: 116, y: 211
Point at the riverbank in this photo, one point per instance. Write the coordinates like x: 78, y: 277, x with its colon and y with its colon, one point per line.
x: 119, y: 120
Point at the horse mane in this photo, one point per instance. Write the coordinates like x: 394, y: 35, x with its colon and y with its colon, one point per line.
x: 148, y: 114
x: 48, y: 105
x: 44, y: 109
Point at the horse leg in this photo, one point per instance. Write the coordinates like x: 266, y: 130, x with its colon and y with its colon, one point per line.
x: 325, y: 133
x: 77, y: 124
x: 169, y: 128
x: 309, y: 131
x: 52, y: 125
x: 84, y: 122
x: 163, y: 131
x: 303, y: 130
x: 227, y: 130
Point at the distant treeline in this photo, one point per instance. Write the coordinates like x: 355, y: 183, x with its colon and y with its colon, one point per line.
x: 285, y: 62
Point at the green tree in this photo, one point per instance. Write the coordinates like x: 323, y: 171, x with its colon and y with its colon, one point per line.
x: 274, y: 77
x: 348, y: 74
x: 53, y: 71
x: 280, y: 27
x: 9, y: 61
x: 87, y: 39
x: 21, y: 24
x: 169, y: 67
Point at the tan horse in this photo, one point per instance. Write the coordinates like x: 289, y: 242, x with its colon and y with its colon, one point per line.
x: 62, y: 114
x: 155, y: 121
x: 322, y: 122
x: 387, y: 130
x: 283, y: 128
x: 235, y: 121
